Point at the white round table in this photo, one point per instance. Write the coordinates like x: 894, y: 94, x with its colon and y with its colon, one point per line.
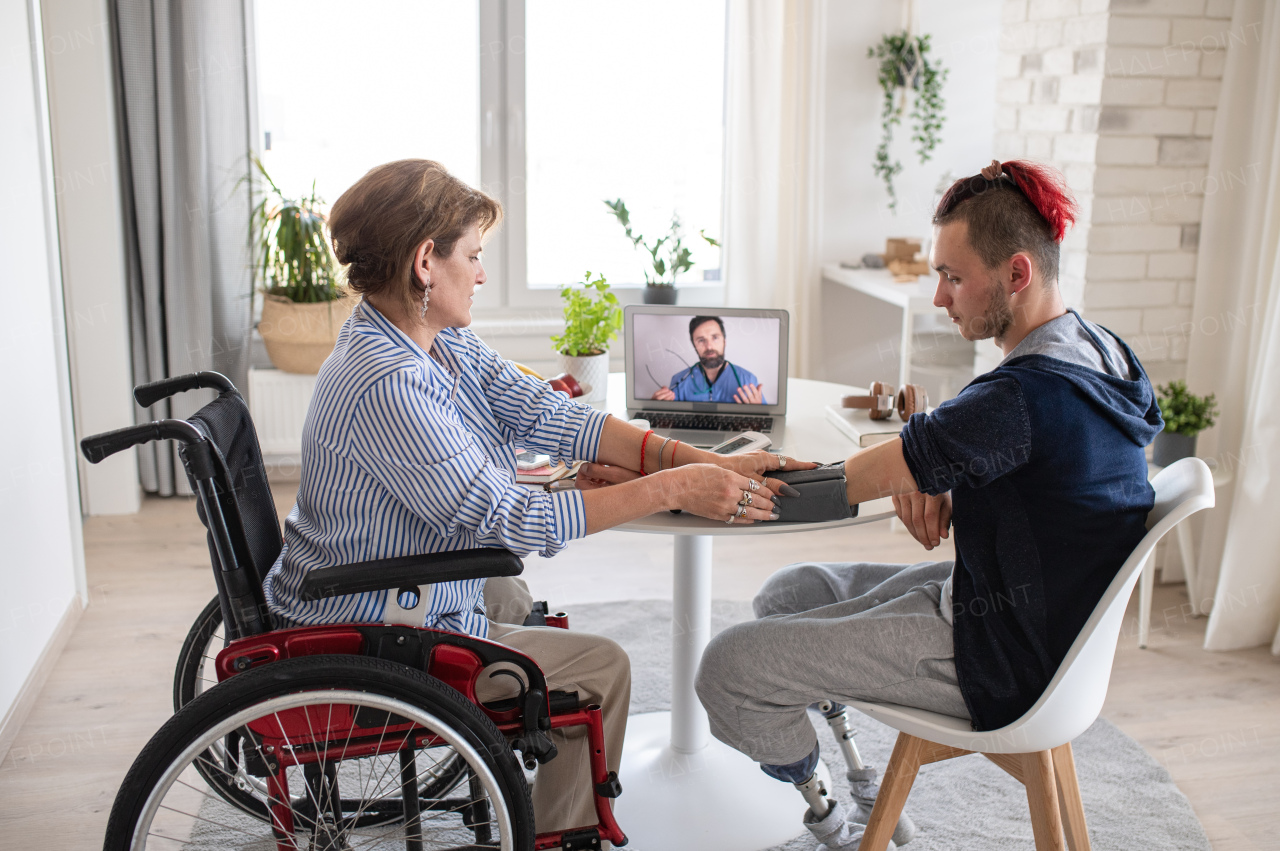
x: 682, y: 788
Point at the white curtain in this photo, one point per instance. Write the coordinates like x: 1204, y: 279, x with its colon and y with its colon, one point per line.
x: 775, y: 61
x: 1234, y: 347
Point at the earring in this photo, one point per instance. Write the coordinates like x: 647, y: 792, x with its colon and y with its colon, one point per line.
x: 426, y: 296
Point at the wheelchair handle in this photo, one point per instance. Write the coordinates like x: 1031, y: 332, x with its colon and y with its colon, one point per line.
x: 99, y: 446
x: 147, y: 395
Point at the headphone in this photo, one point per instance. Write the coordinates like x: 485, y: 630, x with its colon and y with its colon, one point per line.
x: 880, y: 402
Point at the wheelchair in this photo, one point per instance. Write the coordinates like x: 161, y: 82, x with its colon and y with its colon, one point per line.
x: 321, y: 738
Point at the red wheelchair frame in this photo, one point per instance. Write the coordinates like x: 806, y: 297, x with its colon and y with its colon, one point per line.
x: 456, y: 661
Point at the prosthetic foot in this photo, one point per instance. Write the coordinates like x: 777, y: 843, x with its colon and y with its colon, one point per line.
x: 834, y: 831
x: 862, y: 779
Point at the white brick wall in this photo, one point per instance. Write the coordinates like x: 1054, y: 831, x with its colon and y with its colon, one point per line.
x: 1121, y: 95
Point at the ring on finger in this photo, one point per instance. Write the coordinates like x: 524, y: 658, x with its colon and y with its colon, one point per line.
x: 755, y: 486
x: 782, y: 461
x: 742, y: 511
x: 747, y: 497
x: 731, y: 516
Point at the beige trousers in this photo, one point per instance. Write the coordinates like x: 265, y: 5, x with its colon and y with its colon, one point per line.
x: 595, y: 667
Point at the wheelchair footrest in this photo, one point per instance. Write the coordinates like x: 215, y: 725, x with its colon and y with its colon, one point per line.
x: 581, y: 840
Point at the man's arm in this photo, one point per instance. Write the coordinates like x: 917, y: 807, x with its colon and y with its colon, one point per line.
x: 882, y: 471
x: 878, y: 471
x: 978, y: 436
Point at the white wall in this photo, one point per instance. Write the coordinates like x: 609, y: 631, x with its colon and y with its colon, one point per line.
x: 87, y: 187
x: 857, y: 219
x: 41, y: 553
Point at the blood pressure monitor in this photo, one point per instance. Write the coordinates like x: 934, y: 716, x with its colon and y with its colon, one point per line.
x: 748, y: 441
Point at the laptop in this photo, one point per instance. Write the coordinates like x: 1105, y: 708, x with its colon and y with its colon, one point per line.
x: 703, y: 374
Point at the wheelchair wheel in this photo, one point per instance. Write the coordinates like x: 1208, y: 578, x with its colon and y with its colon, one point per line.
x: 195, y: 674
x: 330, y: 739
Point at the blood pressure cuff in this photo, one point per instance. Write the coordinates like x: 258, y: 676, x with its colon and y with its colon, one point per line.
x: 822, y: 495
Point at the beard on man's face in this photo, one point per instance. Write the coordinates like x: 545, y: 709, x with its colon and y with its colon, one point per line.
x: 711, y: 359
x: 996, y: 317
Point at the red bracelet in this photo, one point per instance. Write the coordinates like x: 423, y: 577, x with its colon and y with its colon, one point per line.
x: 673, y: 453
x: 644, y: 443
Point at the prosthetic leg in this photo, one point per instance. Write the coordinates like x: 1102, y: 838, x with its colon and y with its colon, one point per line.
x: 862, y: 780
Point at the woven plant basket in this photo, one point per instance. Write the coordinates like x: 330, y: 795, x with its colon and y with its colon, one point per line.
x: 300, y: 336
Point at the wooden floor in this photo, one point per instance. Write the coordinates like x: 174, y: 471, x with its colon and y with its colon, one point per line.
x: 1212, y: 719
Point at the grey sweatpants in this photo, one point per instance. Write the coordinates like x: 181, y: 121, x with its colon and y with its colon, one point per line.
x: 840, y: 632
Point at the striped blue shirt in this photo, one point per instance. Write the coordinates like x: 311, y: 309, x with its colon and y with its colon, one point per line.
x: 405, y: 454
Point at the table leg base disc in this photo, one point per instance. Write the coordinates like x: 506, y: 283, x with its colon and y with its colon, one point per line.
x: 714, y: 800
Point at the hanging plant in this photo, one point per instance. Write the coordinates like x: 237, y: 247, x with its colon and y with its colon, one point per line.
x: 905, y: 67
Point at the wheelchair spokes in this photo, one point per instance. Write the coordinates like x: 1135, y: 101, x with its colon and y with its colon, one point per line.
x: 424, y: 781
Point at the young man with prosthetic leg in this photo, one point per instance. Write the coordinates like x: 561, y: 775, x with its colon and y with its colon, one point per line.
x: 1040, y: 465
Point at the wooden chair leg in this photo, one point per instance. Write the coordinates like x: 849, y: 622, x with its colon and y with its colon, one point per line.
x: 895, y: 786
x: 1042, y: 798
x: 1073, y: 823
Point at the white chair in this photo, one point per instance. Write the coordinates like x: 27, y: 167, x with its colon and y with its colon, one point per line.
x: 1036, y: 749
x: 1222, y: 476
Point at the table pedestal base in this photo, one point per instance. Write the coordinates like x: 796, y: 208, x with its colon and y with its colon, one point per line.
x: 713, y: 800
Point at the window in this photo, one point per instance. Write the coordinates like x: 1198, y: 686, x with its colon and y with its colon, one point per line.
x: 341, y: 91
x: 622, y: 100
x: 550, y: 105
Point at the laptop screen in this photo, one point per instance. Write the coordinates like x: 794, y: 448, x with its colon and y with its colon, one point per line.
x: 682, y: 358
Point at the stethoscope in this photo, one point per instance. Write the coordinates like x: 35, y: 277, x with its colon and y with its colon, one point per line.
x: 737, y: 378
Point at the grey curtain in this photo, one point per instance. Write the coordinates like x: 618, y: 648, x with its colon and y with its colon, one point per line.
x: 183, y: 77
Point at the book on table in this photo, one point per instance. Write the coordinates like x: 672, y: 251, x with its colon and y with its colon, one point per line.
x: 855, y: 424
x: 547, y: 475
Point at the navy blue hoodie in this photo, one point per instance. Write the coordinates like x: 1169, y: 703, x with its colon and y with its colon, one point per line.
x: 1044, y: 460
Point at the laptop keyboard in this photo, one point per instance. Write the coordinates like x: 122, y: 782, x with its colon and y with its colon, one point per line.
x: 707, y: 422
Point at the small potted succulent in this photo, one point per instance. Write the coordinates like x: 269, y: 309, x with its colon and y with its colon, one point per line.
x: 1185, y: 416
x: 303, y: 303
x: 676, y: 259
x: 592, y: 319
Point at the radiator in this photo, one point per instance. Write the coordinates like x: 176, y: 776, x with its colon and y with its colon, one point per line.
x: 278, y: 404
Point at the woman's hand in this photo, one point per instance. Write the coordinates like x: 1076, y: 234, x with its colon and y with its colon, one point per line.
x: 755, y: 464
x: 927, y: 518
x: 718, y: 494
x: 592, y: 476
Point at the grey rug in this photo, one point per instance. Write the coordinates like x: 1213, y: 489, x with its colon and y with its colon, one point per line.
x: 968, y: 803
x: 1129, y: 799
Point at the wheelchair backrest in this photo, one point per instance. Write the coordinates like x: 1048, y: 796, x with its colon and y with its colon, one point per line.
x: 243, y: 493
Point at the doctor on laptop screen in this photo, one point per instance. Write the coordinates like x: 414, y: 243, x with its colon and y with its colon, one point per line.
x: 713, y: 378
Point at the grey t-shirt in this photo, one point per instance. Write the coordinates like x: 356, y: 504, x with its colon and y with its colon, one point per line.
x: 1065, y: 339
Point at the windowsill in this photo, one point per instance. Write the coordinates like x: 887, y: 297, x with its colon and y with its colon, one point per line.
x: 517, y: 319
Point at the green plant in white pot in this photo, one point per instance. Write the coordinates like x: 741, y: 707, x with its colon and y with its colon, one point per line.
x: 1185, y: 416
x: 592, y: 319
x: 303, y: 303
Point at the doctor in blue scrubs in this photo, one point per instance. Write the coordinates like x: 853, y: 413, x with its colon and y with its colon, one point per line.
x: 712, y: 378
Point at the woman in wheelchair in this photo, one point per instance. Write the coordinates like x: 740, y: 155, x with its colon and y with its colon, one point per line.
x: 409, y: 447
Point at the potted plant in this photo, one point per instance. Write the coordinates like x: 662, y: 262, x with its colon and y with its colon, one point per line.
x: 905, y: 68
x: 592, y: 319
x: 1185, y: 416
x: 303, y: 304
x: 676, y: 259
